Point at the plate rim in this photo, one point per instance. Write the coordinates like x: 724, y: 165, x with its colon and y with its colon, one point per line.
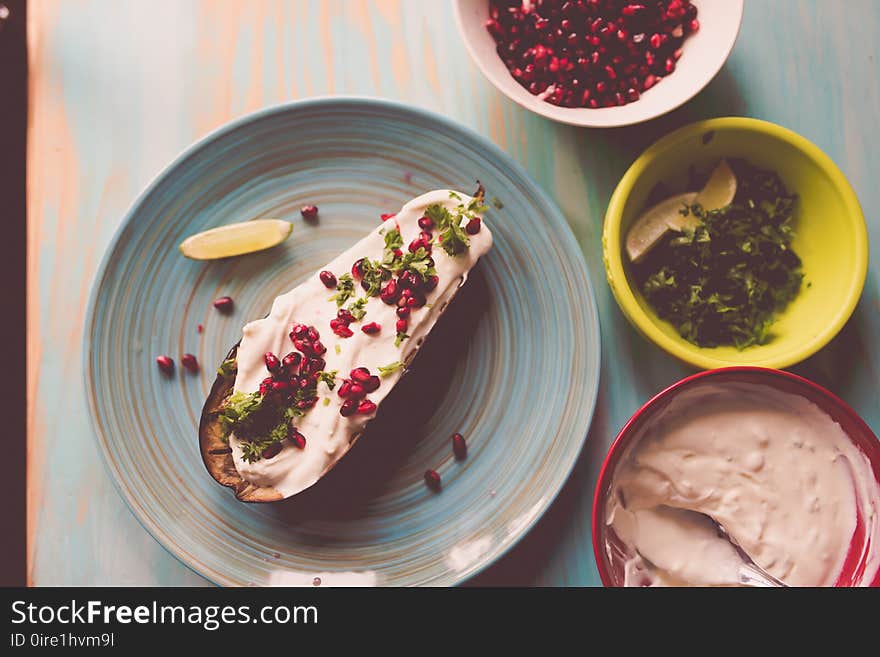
x: 481, y: 142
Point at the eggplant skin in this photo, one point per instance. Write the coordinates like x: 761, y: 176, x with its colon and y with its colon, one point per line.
x: 216, y: 453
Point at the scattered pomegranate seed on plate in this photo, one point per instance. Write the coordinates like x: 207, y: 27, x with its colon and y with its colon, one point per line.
x: 190, y: 362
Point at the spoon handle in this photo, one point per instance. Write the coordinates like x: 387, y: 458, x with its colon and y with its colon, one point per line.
x: 752, y: 576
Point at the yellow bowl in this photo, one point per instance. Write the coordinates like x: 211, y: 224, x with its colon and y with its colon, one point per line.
x: 831, y: 237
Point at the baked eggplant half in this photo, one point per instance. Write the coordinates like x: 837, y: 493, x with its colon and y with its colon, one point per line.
x: 298, y: 390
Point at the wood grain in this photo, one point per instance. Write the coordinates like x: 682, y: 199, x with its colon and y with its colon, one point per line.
x: 118, y: 89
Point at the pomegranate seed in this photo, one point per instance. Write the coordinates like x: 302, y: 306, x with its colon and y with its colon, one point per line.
x: 307, y: 403
x: 298, y: 440
x: 389, y: 293
x: 417, y: 300
x: 426, y: 223
x: 318, y: 348
x: 265, y: 385
x: 299, y: 330
x: 309, y: 211
x: 371, y: 329
x: 303, y: 383
x: 343, y: 331
x: 366, y: 407
x: 190, y: 363
x: 313, y: 334
x: 401, y: 325
x: 655, y: 41
x: 272, y: 451
x: 224, y: 304
x: 386, y: 217
x: 316, y: 365
x: 431, y: 283
x: 357, y: 269
x: 349, y: 407
x: 372, y: 384
x: 301, y: 345
x: 291, y: 361
x: 272, y: 362
x: 345, y: 389
x: 693, y: 25
x: 360, y: 374
x: 473, y: 226
x: 328, y: 278
x: 403, y: 312
x: 356, y: 391
x: 345, y: 316
x: 459, y: 446
x: 280, y: 386
x: 166, y: 364
x: 432, y: 479
x: 200, y: 328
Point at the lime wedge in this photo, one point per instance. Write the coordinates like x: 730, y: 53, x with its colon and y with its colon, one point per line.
x: 236, y: 239
x: 654, y: 223
x: 720, y: 188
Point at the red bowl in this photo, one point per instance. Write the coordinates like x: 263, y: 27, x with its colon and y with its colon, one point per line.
x: 856, y: 428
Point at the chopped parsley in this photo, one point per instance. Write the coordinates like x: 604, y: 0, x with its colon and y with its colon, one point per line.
x: 723, y: 282
x: 357, y: 309
x: 400, y: 338
x: 227, y: 367
x: 374, y: 275
x: 393, y: 240
x: 344, y: 290
x: 328, y: 378
x: 391, y: 368
x: 453, y: 237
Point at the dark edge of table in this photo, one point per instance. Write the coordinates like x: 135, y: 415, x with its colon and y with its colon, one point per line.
x: 13, y: 389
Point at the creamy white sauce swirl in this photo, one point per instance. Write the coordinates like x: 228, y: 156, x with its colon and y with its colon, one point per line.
x: 328, y: 434
x: 774, y: 470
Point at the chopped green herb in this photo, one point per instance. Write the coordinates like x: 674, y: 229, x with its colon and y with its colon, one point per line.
x: 400, y: 338
x: 374, y: 275
x: 453, y: 237
x: 393, y: 240
x: 329, y: 378
x: 337, y: 349
x: 391, y: 368
x: 344, y: 290
x: 326, y: 401
x: 357, y: 308
x: 227, y: 367
x: 724, y: 281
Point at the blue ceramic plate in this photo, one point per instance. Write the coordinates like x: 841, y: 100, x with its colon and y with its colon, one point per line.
x: 513, y: 365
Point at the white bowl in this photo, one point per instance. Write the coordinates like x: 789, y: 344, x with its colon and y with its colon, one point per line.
x: 704, y: 53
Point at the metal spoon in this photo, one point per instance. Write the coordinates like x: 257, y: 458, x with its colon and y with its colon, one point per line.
x: 751, y: 574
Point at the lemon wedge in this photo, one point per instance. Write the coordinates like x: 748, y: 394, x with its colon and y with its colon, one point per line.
x: 654, y: 223
x: 719, y: 189
x: 236, y: 239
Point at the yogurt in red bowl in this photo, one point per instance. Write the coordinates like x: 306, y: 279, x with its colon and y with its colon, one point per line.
x: 787, y: 471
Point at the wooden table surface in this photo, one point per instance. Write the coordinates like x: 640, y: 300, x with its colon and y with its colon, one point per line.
x: 119, y: 88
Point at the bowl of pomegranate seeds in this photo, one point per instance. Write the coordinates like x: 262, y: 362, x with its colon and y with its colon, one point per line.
x: 599, y: 63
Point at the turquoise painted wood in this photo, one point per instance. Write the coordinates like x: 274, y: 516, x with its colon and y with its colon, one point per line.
x: 118, y: 89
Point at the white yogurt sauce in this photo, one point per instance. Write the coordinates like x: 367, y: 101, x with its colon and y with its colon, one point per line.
x: 773, y: 469
x: 328, y: 434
